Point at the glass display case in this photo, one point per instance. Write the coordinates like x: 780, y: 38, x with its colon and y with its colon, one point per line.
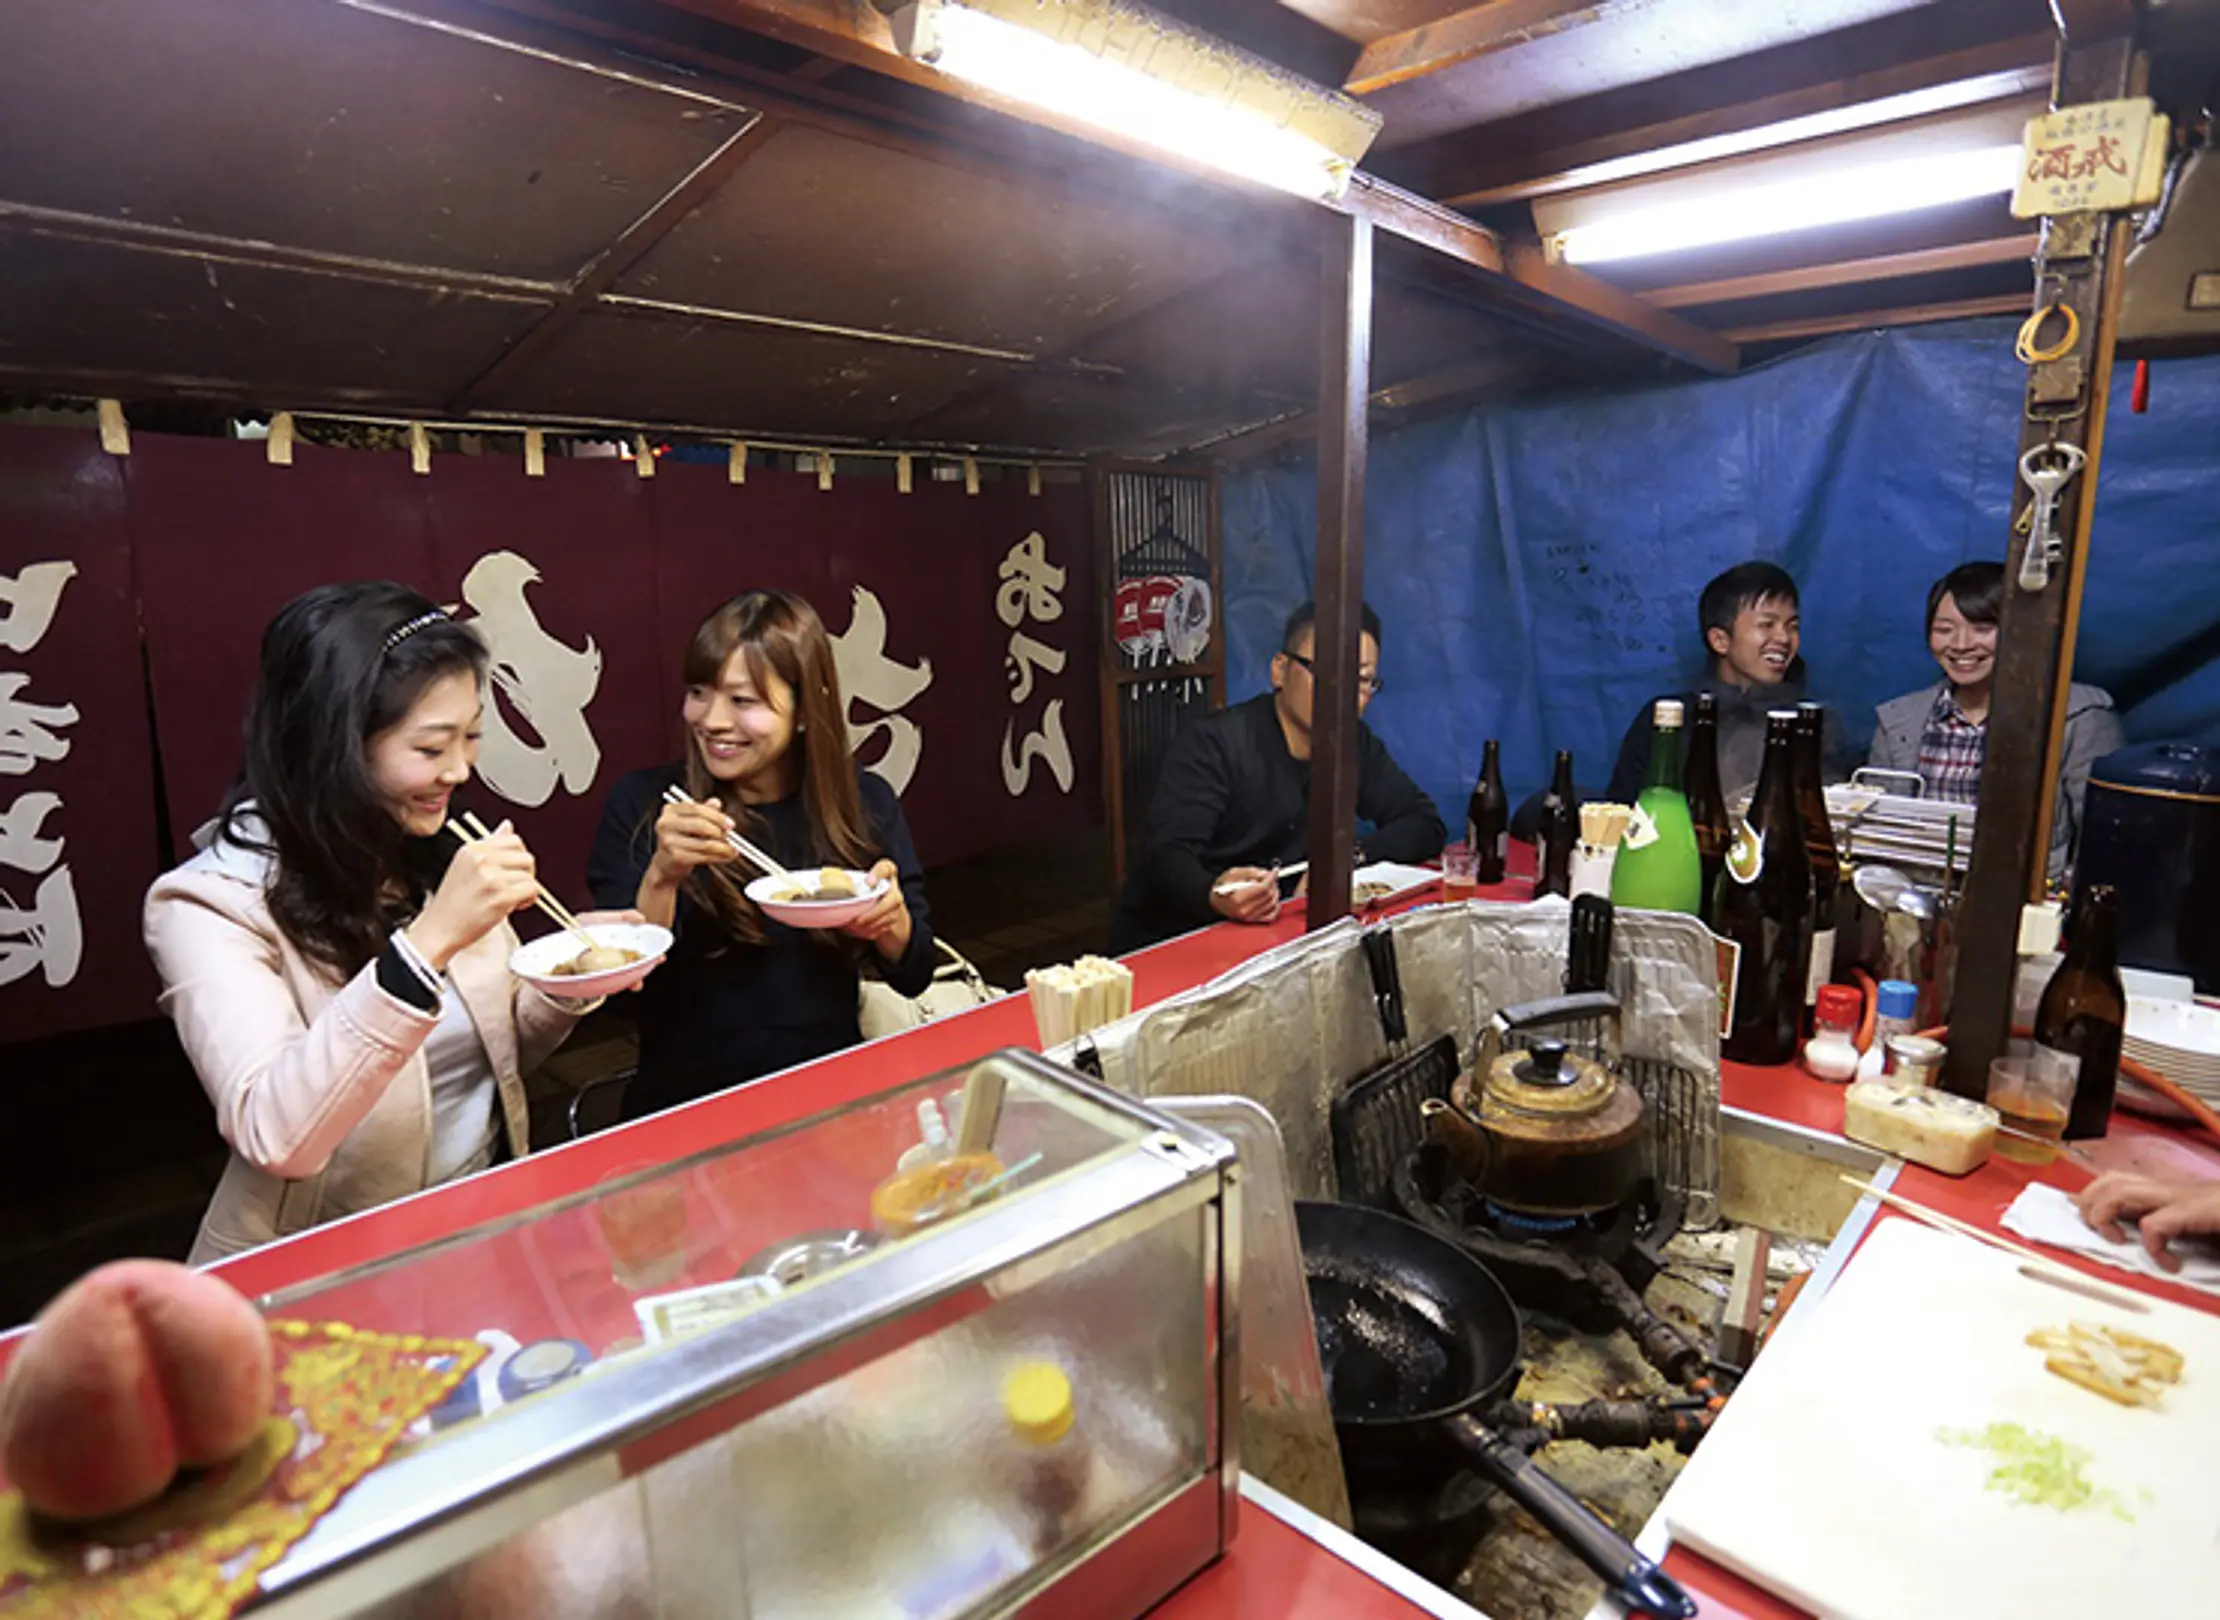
x: 859, y: 1366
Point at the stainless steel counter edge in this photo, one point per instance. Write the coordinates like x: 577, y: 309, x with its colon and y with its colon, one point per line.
x: 1406, y: 1584
x: 1656, y: 1538
x: 484, y: 1483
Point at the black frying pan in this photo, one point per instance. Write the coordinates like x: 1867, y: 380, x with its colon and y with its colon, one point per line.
x: 1416, y: 1336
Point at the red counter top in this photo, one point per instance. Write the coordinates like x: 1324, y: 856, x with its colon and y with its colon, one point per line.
x: 1276, y: 1568
x: 1789, y: 1095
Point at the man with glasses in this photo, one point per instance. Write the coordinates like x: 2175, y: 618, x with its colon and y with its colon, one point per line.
x: 1233, y: 802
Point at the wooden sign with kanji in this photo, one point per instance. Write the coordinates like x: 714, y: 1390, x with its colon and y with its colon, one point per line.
x: 2097, y: 158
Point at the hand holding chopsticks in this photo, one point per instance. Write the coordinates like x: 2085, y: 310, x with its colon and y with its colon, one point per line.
x: 674, y: 794
x: 1272, y: 874
x: 470, y: 830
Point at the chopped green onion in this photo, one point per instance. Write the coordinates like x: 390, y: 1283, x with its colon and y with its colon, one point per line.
x: 2039, y: 1470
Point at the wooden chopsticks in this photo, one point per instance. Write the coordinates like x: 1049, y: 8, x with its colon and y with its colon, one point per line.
x: 476, y: 831
x: 2038, y: 1264
x: 674, y: 794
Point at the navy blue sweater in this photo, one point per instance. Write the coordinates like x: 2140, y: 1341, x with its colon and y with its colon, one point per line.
x: 718, y: 1012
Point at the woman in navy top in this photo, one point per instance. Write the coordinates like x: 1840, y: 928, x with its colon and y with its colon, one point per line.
x: 742, y: 996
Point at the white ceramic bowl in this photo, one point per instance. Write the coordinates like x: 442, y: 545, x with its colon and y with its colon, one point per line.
x: 535, y: 963
x: 769, y: 894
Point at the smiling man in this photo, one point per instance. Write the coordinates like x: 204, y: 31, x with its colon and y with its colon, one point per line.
x: 1753, y: 639
x: 1233, y: 801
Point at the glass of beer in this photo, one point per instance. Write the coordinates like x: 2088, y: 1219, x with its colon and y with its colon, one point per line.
x: 2033, y: 1098
x: 1460, y: 872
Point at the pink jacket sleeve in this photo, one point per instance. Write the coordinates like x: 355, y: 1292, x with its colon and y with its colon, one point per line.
x: 287, y: 1089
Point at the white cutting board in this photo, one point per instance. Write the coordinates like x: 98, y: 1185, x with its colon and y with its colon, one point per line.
x: 1825, y: 1483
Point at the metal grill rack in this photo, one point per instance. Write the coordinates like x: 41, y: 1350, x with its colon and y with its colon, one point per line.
x: 1876, y: 825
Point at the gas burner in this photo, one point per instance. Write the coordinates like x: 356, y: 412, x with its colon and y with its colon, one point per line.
x: 1512, y: 1221
x: 1589, y: 1270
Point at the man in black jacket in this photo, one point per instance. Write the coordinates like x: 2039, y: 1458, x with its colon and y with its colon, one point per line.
x: 1233, y: 801
x: 1753, y: 636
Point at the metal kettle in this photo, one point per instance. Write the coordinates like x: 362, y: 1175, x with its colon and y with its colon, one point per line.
x: 1546, y: 1131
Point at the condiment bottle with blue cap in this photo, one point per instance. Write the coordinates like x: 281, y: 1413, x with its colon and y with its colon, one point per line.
x: 1896, y: 1011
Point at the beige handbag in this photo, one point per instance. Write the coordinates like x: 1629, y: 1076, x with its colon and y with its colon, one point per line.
x: 957, y: 986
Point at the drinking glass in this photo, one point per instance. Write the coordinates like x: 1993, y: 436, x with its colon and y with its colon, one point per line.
x: 2033, y: 1095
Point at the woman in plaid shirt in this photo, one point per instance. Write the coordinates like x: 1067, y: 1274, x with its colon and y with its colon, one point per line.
x: 1941, y: 731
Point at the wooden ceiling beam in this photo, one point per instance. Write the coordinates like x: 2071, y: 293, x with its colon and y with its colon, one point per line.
x: 1845, y: 272
x: 859, y: 34
x: 1495, y: 160
x: 1467, y: 379
x: 1962, y: 79
x: 1463, y: 36
x: 1959, y: 309
x: 1567, y: 301
x: 1522, y: 277
x: 610, y: 266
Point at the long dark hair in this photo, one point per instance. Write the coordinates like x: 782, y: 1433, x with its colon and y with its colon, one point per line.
x: 339, y: 665
x: 777, y: 631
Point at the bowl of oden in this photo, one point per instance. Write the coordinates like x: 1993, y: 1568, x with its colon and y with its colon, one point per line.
x: 822, y: 897
x: 622, y: 955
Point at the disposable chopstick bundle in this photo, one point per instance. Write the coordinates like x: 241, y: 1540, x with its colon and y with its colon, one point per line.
x: 1070, y: 999
x: 1604, y: 825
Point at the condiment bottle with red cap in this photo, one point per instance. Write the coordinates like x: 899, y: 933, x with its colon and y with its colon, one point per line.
x: 1832, y: 1051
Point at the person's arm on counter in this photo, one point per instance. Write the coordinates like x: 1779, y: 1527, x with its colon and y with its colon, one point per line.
x: 2163, y: 1209
x: 1405, y: 824
x: 1192, y: 792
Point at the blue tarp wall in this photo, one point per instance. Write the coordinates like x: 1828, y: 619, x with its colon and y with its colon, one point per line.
x: 1536, y: 564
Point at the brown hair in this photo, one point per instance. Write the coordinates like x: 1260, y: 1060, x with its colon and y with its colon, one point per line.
x: 778, y: 632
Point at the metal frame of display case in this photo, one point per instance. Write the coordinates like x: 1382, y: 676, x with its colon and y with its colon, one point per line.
x: 429, y: 1510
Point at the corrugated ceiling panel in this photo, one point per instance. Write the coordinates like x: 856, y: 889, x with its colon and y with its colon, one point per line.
x: 819, y: 227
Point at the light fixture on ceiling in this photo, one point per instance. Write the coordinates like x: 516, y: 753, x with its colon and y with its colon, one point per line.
x: 1831, y: 196
x: 1124, y: 69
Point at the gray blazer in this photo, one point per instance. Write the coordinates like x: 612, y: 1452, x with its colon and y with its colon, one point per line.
x: 2092, y: 731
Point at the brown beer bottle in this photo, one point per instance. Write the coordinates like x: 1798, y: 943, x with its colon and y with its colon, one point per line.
x: 1765, y: 907
x: 1560, y: 829
x: 1819, y: 835
x: 1707, y: 805
x: 2083, y: 1014
x: 1488, y: 816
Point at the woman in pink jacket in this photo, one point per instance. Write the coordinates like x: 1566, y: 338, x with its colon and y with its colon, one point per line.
x: 336, y: 964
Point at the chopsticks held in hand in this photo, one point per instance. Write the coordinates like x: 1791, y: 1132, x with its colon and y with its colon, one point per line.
x: 1276, y: 873
x: 674, y: 794
x: 476, y: 830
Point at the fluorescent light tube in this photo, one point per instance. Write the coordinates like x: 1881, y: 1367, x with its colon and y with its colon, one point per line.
x: 1868, y: 191
x: 1076, y: 82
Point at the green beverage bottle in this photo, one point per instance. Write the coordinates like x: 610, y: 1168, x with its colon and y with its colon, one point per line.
x: 1659, y: 868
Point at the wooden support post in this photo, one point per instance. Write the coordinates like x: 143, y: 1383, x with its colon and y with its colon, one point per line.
x: 1344, y: 389
x: 2080, y: 266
